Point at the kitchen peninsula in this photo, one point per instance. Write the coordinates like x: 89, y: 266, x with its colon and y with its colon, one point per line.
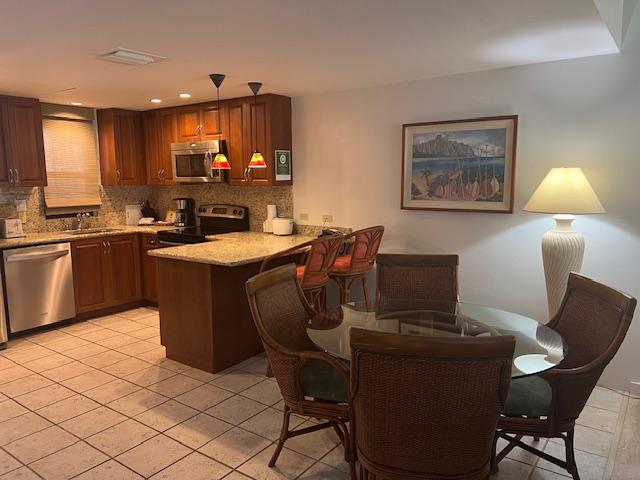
x: 205, y: 321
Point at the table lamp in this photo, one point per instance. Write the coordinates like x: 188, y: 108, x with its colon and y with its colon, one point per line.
x: 565, y: 192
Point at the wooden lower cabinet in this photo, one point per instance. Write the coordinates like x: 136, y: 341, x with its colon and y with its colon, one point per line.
x: 149, y: 268
x: 89, y: 274
x: 106, y: 272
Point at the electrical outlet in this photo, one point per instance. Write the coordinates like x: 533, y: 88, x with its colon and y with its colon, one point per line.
x: 327, y: 218
x: 303, y: 217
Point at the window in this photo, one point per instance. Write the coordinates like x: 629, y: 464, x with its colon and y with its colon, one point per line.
x: 71, y: 154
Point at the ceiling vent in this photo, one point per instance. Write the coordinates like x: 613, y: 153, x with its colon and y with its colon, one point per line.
x: 130, y: 57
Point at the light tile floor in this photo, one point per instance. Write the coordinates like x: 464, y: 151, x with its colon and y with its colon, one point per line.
x: 99, y: 400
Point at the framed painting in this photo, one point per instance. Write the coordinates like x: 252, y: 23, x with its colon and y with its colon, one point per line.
x: 460, y: 165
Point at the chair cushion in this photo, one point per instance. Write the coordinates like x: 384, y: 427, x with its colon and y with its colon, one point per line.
x: 300, y: 271
x: 529, y: 396
x: 323, y: 382
x: 342, y: 264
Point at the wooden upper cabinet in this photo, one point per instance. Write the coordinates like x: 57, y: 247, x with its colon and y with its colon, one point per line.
x: 238, y: 144
x: 198, y: 122
x: 160, y: 127
x: 189, y: 124
x: 22, y: 161
x: 211, y: 129
x: 5, y: 181
x: 243, y: 125
x: 122, y: 147
x: 266, y: 126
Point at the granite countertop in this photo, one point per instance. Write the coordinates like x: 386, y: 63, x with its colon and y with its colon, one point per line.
x: 232, y: 249
x: 32, y: 239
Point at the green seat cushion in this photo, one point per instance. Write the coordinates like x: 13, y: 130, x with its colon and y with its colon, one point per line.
x: 529, y: 396
x: 323, y: 382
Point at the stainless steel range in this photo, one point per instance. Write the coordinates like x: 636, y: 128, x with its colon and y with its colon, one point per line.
x: 214, y: 219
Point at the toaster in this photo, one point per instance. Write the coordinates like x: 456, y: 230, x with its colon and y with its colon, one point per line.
x: 11, y: 228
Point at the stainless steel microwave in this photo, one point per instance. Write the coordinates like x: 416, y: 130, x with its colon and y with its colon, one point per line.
x: 192, y: 161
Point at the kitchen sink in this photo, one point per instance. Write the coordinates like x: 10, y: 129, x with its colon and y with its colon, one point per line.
x: 92, y: 230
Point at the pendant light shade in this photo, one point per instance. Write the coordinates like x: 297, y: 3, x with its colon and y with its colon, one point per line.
x: 257, y: 160
x: 220, y: 161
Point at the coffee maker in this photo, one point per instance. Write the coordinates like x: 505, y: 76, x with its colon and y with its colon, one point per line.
x: 185, y: 212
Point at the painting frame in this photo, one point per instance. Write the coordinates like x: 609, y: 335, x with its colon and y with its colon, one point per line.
x: 500, y: 186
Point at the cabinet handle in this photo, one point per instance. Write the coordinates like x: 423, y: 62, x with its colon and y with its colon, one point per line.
x: 162, y: 173
x: 11, y: 175
x: 104, y: 247
x: 118, y: 174
x: 17, y: 175
x: 248, y: 174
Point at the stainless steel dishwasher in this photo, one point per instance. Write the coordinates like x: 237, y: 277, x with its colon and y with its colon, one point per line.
x: 39, y: 284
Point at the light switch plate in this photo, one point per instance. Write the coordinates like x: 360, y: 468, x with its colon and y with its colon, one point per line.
x: 303, y: 217
x: 327, y: 218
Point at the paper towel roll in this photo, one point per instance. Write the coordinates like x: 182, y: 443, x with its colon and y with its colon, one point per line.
x: 272, y: 211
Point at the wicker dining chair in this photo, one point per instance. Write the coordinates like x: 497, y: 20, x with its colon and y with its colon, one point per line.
x: 427, y: 407
x: 593, y: 319
x: 416, y: 280
x: 319, y: 256
x: 363, y: 247
x: 312, y: 383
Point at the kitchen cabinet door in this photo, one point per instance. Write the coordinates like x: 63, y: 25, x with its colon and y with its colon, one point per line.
x: 130, y: 148
x: 258, y: 140
x: 122, y: 156
x: 26, y: 144
x: 124, y: 285
x: 160, y: 133
x: 238, y: 144
x: 89, y: 274
x: 5, y: 180
x: 211, y: 128
x: 189, y: 125
x: 167, y: 134
x: 151, y: 147
x: 149, y: 268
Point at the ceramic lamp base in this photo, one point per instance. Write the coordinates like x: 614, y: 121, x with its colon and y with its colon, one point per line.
x: 562, y: 253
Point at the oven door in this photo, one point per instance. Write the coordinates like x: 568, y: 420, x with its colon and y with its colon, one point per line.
x: 192, y: 162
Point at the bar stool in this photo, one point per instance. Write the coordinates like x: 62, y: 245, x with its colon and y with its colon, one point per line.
x: 361, y: 255
x: 313, y: 275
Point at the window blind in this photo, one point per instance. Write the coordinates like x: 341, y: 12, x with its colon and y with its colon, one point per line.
x: 71, y: 156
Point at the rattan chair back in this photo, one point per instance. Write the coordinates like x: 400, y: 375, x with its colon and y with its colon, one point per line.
x: 364, y: 248
x: 593, y: 320
x: 427, y: 407
x: 416, y: 281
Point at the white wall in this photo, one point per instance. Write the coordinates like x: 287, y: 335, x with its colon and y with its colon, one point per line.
x: 582, y: 112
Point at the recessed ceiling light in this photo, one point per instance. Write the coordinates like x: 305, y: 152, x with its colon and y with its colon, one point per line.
x: 156, y: 100
x: 76, y: 104
x: 184, y: 95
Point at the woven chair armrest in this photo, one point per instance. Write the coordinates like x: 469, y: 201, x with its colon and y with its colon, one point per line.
x: 325, y: 357
x: 586, y: 369
x: 284, y: 253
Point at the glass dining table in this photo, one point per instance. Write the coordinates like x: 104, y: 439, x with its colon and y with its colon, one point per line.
x: 538, y: 348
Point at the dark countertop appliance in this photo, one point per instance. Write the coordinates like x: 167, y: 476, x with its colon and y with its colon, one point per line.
x: 185, y: 212
x: 214, y: 219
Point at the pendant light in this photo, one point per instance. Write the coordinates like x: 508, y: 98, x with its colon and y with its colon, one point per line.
x: 220, y: 161
x: 257, y: 160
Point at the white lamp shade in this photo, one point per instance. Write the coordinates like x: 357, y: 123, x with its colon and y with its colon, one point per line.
x: 564, y: 190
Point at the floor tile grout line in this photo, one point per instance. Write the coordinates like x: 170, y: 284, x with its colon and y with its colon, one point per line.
x: 609, y: 467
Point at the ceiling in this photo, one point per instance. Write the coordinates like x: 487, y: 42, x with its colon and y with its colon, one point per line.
x: 295, y: 47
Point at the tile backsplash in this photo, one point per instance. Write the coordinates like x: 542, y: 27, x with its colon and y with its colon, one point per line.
x: 161, y: 198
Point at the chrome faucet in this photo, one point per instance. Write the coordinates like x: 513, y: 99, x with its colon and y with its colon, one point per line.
x: 79, y: 217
